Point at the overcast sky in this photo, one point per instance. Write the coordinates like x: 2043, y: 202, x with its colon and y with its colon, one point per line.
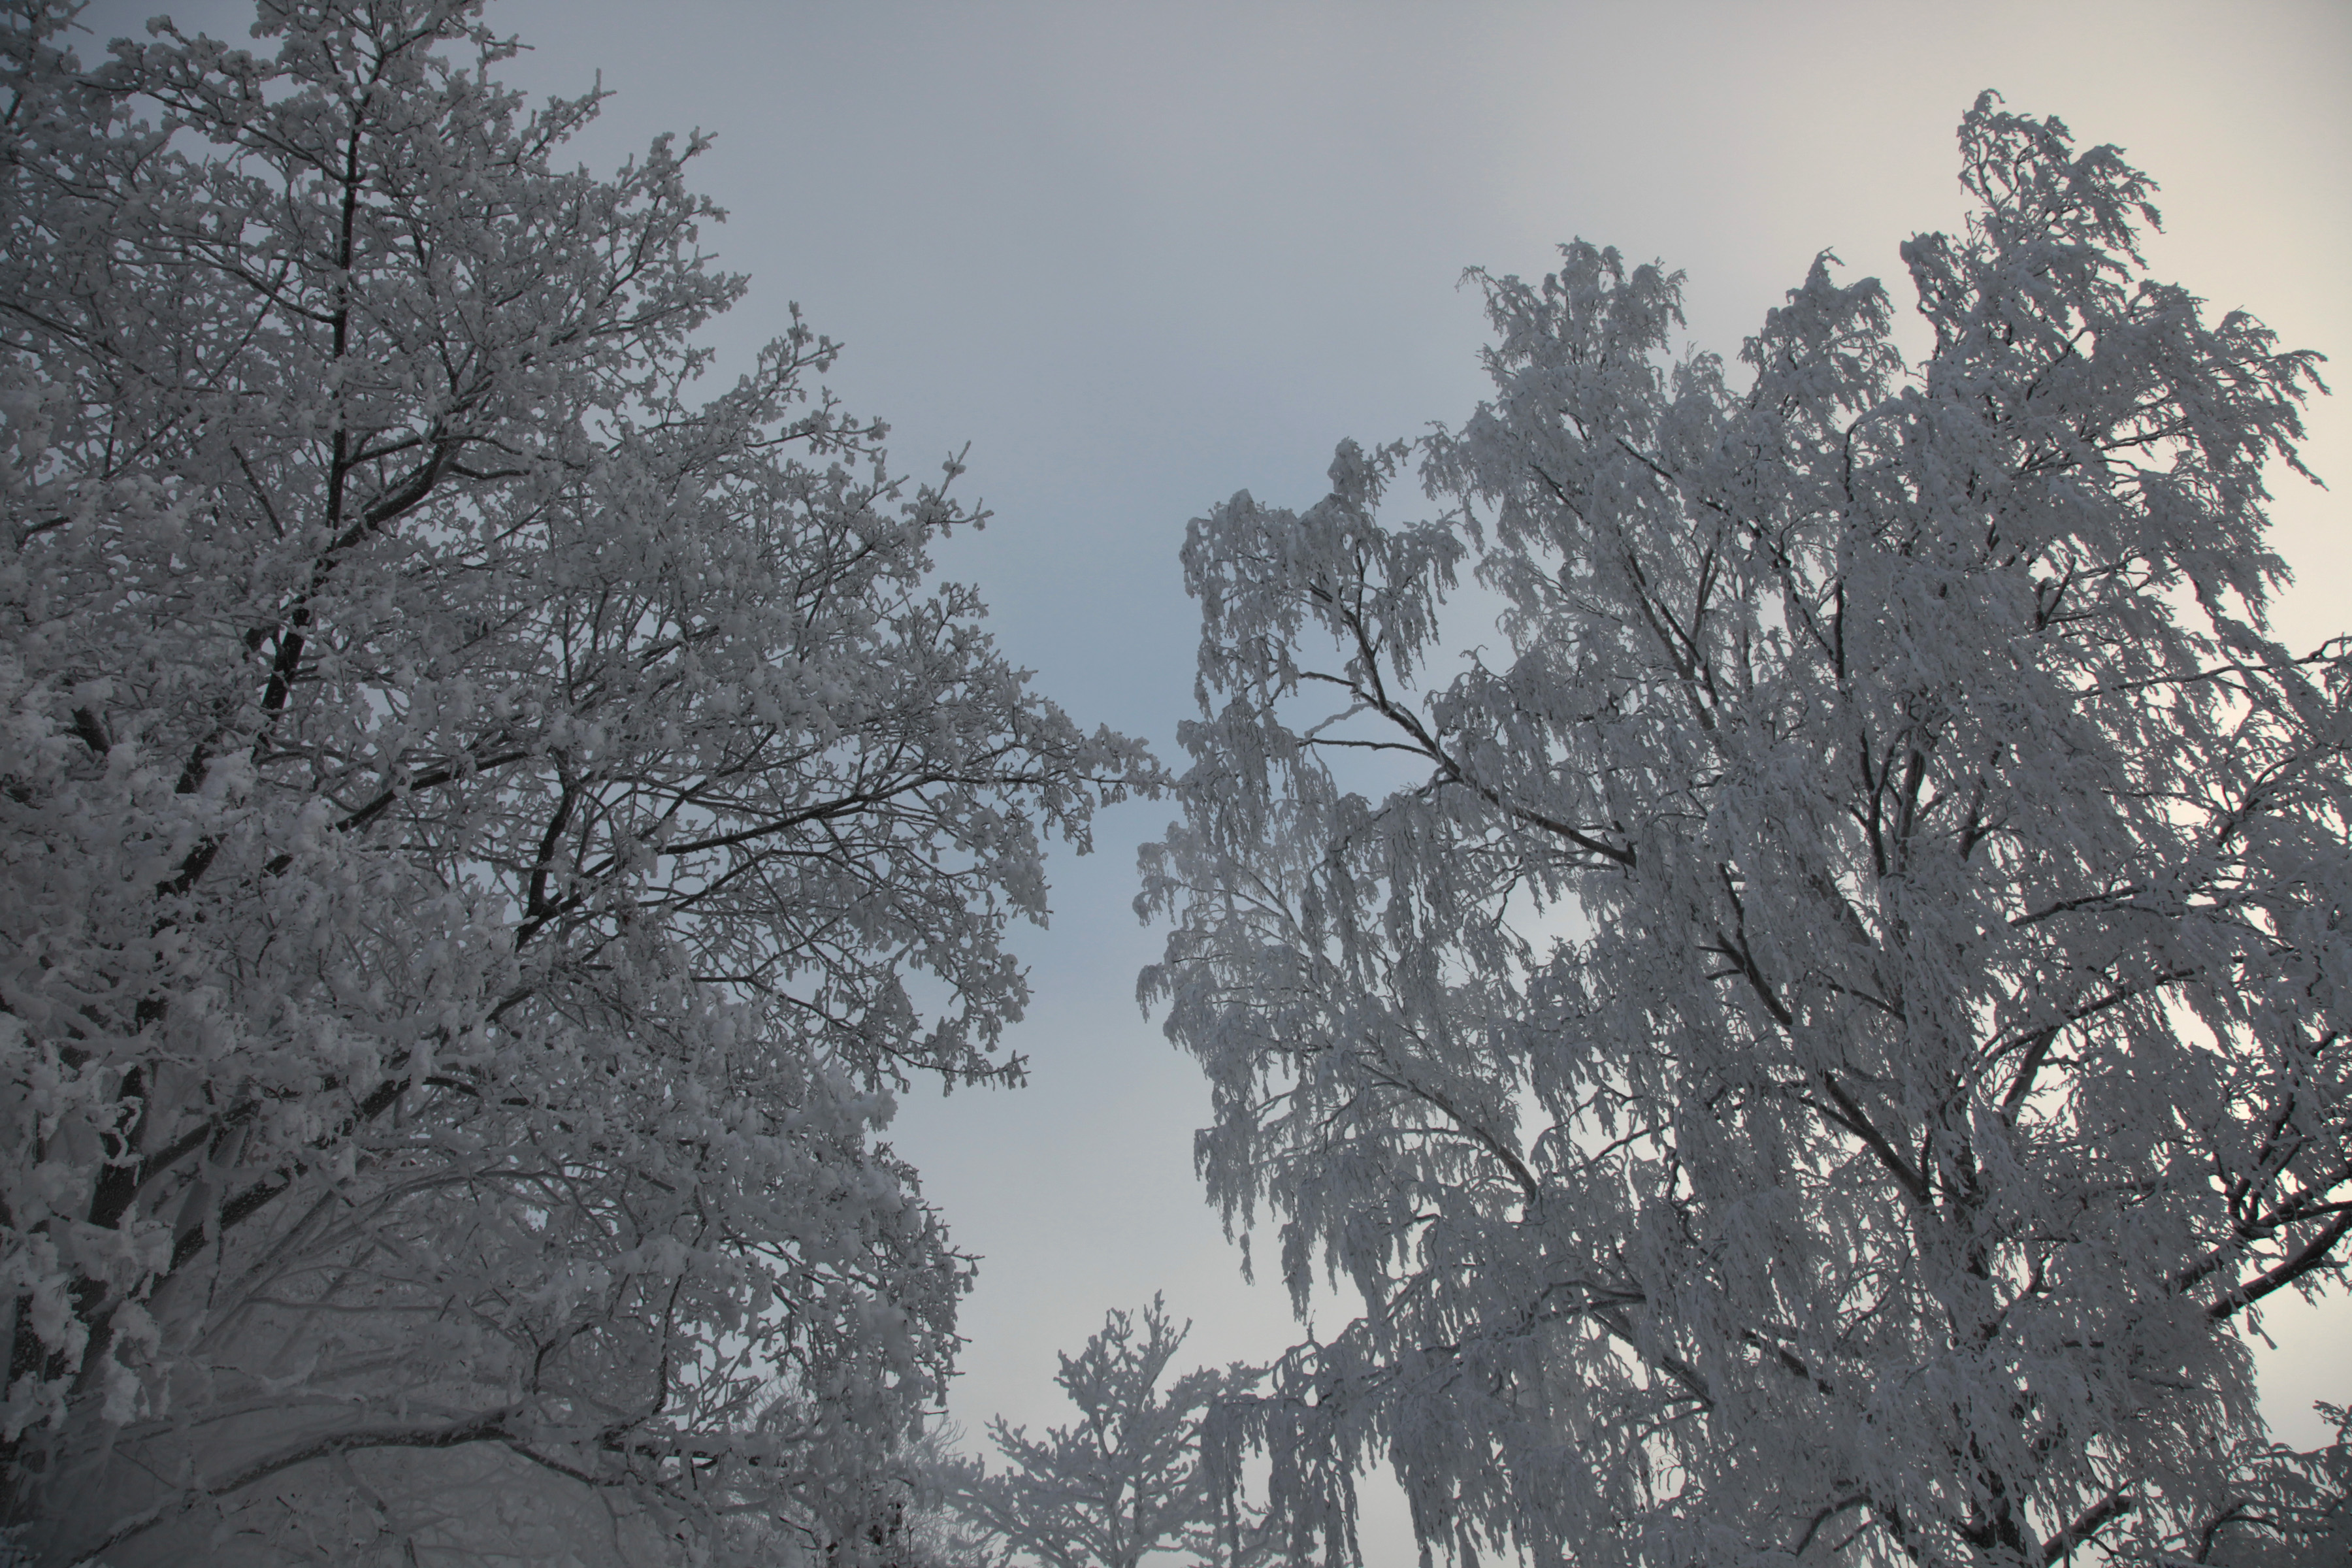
x: 1141, y: 256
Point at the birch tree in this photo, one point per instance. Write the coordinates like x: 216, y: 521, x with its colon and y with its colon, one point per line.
x: 1813, y: 1038
x: 471, y: 805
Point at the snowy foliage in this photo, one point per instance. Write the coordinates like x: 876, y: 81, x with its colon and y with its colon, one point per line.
x: 1127, y: 1481
x: 1812, y: 1044
x: 469, y: 811
x: 2282, y: 1509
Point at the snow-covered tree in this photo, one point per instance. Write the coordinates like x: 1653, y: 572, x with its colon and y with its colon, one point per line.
x: 468, y: 810
x: 2281, y: 1509
x: 1811, y: 1041
x: 1128, y: 1480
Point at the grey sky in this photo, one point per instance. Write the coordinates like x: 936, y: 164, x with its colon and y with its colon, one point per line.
x: 1141, y: 256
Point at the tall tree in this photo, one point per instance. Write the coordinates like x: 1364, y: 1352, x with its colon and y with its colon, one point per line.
x: 469, y: 807
x: 1127, y: 1481
x: 1812, y: 1044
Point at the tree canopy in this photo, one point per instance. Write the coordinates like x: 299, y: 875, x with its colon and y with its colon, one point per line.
x: 1810, y: 1040
x: 471, y: 807
x: 1127, y: 1482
